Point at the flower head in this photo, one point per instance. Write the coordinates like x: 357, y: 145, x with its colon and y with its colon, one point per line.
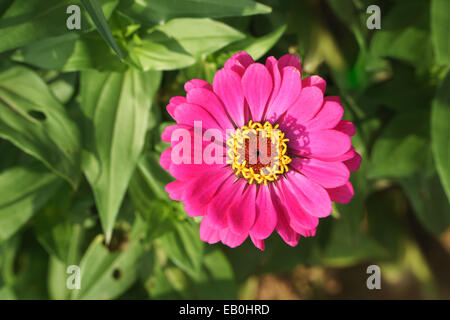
x: 259, y: 150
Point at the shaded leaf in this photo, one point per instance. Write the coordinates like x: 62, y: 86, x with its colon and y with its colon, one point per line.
x: 153, y: 11
x: 70, y: 52
x: 33, y: 120
x: 401, y: 148
x: 405, y: 34
x: 24, y: 189
x: 28, y: 21
x: 94, y: 9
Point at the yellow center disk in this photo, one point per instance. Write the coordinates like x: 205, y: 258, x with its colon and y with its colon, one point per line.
x: 258, y: 152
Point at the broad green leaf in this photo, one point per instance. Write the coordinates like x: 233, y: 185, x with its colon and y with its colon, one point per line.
x: 200, y: 37
x: 155, y: 11
x: 27, y: 21
x: 402, y: 147
x: 440, y: 133
x: 24, y: 189
x: 427, y: 196
x: 71, y: 52
x: 257, y: 47
x: 106, y: 274
x: 159, y: 52
x: 56, y: 280
x: 33, y: 120
x: 94, y: 9
x: 184, y: 247
x: 116, y: 107
x: 405, y: 34
x: 440, y: 20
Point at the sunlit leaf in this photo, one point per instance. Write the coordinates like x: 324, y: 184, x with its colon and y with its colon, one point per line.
x: 116, y: 107
x: 440, y: 133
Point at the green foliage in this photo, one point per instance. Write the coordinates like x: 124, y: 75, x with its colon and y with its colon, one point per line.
x: 82, y: 112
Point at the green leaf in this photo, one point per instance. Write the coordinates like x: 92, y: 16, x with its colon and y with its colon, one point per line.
x: 427, y: 196
x: 59, y: 234
x: 184, y: 247
x: 159, y: 52
x: 155, y: 11
x: 405, y: 34
x: 94, y: 9
x: 107, y: 274
x: 200, y: 37
x: 401, y: 148
x: 24, y: 189
x: 440, y: 20
x: 257, y: 47
x: 440, y: 133
x: 217, y: 273
x: 116, y: 107
x: 71, y: 52
x: 33, y: 120
x: 28, y: 21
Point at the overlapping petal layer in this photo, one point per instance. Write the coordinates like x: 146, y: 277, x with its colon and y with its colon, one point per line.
x: 319, y: 144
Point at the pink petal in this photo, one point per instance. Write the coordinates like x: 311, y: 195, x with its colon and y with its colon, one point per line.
x: 327, y: 174
x: 290, y: 88
x: 200, y: 192
x: 346, y: 127
x: 174, y: 103
x: 328, y: 117
x: 294, y: 207
x: 272, y: 67
x: 227, y: 85
x: 165, y: 159
x: 239, y: 62
x: 208, y: 233
x: 232, y: 239
x: 257, y: 86
x: 283, y: 228
x: 217, y: 209
x: 258, y: 243
x: 210, y: 102
x: 342, y: 194
x: 175, y: 189
x: 187, y: 171
x: 306, y: 106
x: 322, y: 144
x: 197, y: 83
x: 354, y: 163
x: 290, y: 60
x: 315, y: 81
x: 241, y: 213
x: 266, y: 215
x: 311, y: 197
x: 188, y: 114
x: 166, y: 136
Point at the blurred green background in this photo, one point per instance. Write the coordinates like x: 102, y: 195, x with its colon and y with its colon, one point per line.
x: 81, y: 113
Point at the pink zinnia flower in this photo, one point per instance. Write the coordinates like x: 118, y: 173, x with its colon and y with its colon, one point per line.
x: 240, y: 198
